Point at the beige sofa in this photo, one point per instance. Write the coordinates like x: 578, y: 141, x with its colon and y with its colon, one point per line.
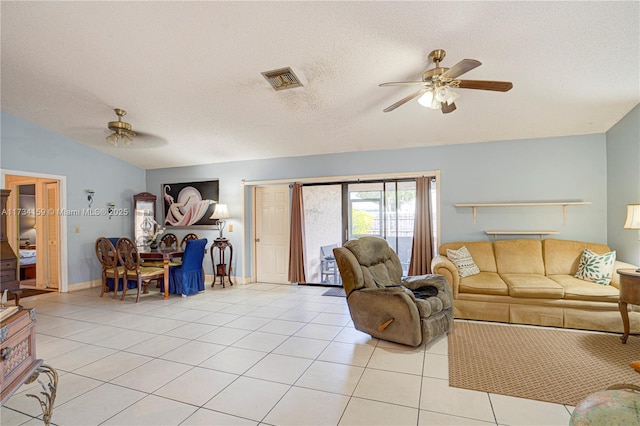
x: 532, y: 282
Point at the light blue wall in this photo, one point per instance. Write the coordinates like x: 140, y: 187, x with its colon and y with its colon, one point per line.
x: 553, y: 169
x: 623, y: 184
x: 28, y: 148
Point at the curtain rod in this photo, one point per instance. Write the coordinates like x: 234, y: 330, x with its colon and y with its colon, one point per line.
x: 347, y: 178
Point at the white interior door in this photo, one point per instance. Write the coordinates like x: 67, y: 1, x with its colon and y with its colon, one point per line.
x: 272, y: 234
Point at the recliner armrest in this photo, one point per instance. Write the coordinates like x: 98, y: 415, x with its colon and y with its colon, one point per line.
x: 437, y: 281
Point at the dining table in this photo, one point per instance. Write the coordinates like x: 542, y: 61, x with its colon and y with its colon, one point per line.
x: 164, y: 254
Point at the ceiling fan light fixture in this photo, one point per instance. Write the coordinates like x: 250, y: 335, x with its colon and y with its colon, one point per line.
x: 442, y: 93
x: 453, y: 96
x: 122, y: 134
x: 426, y: 100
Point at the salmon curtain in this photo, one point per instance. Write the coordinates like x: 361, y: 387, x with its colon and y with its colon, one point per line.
x: 421, y: 251
x: 296, y: 243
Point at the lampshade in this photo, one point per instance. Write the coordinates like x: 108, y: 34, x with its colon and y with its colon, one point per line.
x: 426, y: 99
x: 633, y: 217
x: 221, y: 212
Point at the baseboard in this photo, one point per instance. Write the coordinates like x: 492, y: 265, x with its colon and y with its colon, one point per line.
x: 97, y: 283
x: 85, y: 285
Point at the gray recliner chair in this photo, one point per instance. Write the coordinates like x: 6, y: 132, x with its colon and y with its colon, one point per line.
x: 410, y: 311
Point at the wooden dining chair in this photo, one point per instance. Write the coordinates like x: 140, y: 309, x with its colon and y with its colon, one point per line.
x: 108, y: 258
x: 133, y: 271
x: 188, y: 237
x: 169, y: 240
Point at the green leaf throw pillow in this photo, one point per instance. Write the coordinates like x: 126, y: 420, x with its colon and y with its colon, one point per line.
x: 463, y: 261
x: 596, y: 268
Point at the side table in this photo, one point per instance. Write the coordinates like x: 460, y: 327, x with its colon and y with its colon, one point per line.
x: 629, y: 293
x: 220, y: 269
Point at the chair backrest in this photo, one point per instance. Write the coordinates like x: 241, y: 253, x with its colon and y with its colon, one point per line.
x: 368, y: 262
x: 327, y: 251
x: 106, y: 253
x: 169, y: 240
x: 193, y: 255
x: 188, y: 237
x: 128, y: 254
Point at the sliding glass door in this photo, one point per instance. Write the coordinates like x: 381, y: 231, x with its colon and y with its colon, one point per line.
x: 337, y: 212
x: 323, y: 231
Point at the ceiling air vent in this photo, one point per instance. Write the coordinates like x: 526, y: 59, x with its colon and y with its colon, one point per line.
x: 282, y: 79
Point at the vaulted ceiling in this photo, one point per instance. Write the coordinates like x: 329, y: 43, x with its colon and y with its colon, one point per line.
x: 189, y: 73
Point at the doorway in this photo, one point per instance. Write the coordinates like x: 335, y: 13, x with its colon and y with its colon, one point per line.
x: 34, y: 232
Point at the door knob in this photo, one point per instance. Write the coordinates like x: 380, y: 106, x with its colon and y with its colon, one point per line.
x: 257, y: 240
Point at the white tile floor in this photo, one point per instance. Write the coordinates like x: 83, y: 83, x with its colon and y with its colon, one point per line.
x: 245, y: 355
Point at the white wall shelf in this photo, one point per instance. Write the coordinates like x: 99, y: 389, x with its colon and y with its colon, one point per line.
x: 564, y: 204
x: 541, y: 233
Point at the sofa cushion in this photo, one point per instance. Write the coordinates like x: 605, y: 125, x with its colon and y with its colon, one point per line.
x: 577, y: 289
x: 596, y: 268
x: 481, y: 252
x: 463, y: 261
x: 484, y: 283
x: 519, y: 257
x: 561, y: 257
x: 533, y: 285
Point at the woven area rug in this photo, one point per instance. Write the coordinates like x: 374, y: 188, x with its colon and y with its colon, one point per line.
x: 560, y: 366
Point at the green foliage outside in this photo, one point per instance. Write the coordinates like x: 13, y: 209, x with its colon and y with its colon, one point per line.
x: 362, y: 222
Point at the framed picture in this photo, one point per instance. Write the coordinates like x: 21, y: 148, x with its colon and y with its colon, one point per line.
x: 190, y: 204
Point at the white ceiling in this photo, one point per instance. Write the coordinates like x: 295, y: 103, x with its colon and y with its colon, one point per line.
x: 188, y: 73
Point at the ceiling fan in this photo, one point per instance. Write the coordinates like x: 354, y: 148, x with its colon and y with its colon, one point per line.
x: 122, y: 134
x: 435, y: 91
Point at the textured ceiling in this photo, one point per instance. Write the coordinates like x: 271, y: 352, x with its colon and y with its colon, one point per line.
x: 188, y: 73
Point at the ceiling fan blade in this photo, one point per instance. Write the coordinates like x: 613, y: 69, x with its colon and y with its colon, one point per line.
x: 461, y: 67
x: 406, y: 83
x: 446, y: 108
x: 496, y: 86
x: 404, y: 100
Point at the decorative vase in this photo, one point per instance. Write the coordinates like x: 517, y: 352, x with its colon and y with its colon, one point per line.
x: 153, y: 245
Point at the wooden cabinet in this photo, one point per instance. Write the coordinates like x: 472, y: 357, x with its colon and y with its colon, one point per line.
x: 144, y: 213
x: 8, y: 259
x: 17, y: 351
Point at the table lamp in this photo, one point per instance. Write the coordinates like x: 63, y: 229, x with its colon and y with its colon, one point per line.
x: 221, y: 212
x: 633, y: 219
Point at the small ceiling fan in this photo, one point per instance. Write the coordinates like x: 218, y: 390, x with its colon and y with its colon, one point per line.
x: 435, y: 91
x: 122, y: 134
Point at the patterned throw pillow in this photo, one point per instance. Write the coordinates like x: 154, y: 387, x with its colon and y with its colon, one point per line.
x: 463, y: 261
x: 596, y: 268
